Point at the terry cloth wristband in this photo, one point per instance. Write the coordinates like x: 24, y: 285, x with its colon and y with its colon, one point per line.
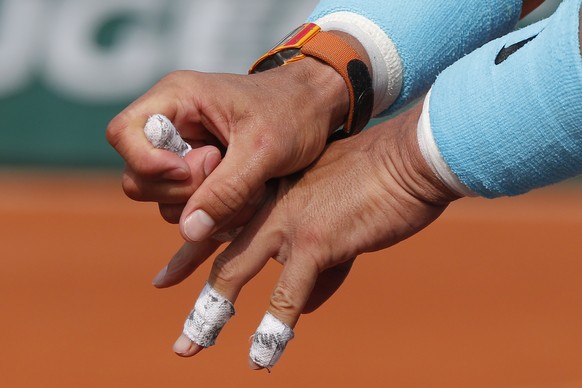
x: 508, y: 118
x: 410, y: 42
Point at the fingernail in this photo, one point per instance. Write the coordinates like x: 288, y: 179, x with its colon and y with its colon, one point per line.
x: 254, y: 366
x: 198, y: 226
x: 185, y: 347
x: 160, y: 276
x: 211, y: 161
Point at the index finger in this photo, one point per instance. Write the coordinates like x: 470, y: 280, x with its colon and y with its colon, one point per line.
x: 126, y: 135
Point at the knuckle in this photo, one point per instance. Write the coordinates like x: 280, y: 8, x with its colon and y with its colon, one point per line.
x: 170, y: 77
x: 269, y: 152
x: 175, y: 78
x: 131, y: 188
x: 142, y: 166
x: 314, y: 247
x: 225, y: 269
x: 229, y: 197
x: 115, y: 129
x: 282, y: 299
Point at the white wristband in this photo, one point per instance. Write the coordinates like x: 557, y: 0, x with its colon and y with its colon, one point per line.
x: 384, y: 57
x: 432, y: 155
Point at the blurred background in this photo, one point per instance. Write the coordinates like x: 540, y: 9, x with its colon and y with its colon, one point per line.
x: 489, y: 296
x: 67, y: 67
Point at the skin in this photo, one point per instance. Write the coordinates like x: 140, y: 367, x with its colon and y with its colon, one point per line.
x: 264, y: 136
x: 243, y: 118
x: 261, y: 137
x: 242, y: 138
x: 383, y: 192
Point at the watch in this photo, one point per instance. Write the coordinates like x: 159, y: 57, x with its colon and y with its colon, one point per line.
x: 309, y: 40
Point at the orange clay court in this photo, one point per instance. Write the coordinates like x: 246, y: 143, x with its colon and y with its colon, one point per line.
x: 488, y: 296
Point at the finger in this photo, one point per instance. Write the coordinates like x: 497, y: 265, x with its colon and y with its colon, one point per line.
x: 171, y: 213
x: 125, y: 134
x: 231, y: 270
x: 288, y: 300
x: 185, y: 262
x: 328, y: 282
x: 126, y: 131
x: 145, y: 187
x: 223, y: 194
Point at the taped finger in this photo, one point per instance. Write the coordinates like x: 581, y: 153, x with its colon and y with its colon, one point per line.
x: 269, y: 342
x: 288, y: 300
x: 210, y: 314
x: 231, y: 270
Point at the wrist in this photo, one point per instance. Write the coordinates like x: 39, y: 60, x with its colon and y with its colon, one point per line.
x: 400, y: 153
x: 342, y: 53
x: 330, y: 86
x: 321, y: 92
x: 385, y: 64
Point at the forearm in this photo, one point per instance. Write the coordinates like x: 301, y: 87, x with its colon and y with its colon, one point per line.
x: 409, y: 43
x: 506, y: 124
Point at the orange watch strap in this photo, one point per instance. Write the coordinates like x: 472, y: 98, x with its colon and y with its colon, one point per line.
x: 337, y: 53
x: 309, y: 40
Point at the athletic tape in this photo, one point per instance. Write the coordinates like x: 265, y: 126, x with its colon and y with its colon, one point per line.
x: 162, y: 134
x: 160, y: 131
x: 210, y: 314
x: 269, y: 341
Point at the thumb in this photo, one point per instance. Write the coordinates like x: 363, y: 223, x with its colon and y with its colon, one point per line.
x: 232, y: 185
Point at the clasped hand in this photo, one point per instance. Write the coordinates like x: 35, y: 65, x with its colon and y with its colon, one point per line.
x: 328, y: 206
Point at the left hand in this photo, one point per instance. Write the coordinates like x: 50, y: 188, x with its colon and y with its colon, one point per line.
x: 269, y: 124
x: 363, y: 194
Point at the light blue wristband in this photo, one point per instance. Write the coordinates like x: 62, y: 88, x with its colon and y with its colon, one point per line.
x: 508, y: 118
x: 428, y: 36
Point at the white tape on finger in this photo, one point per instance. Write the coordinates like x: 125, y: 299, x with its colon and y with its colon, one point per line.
x: 269, y: 341
x: 160, y: 131
x: 210, y: 314
x: 162, y: 134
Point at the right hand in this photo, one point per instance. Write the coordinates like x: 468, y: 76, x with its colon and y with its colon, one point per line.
x: 271, y: 124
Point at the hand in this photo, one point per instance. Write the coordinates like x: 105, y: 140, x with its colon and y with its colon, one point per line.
x: 363, y: 194
x: 270, y: 124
